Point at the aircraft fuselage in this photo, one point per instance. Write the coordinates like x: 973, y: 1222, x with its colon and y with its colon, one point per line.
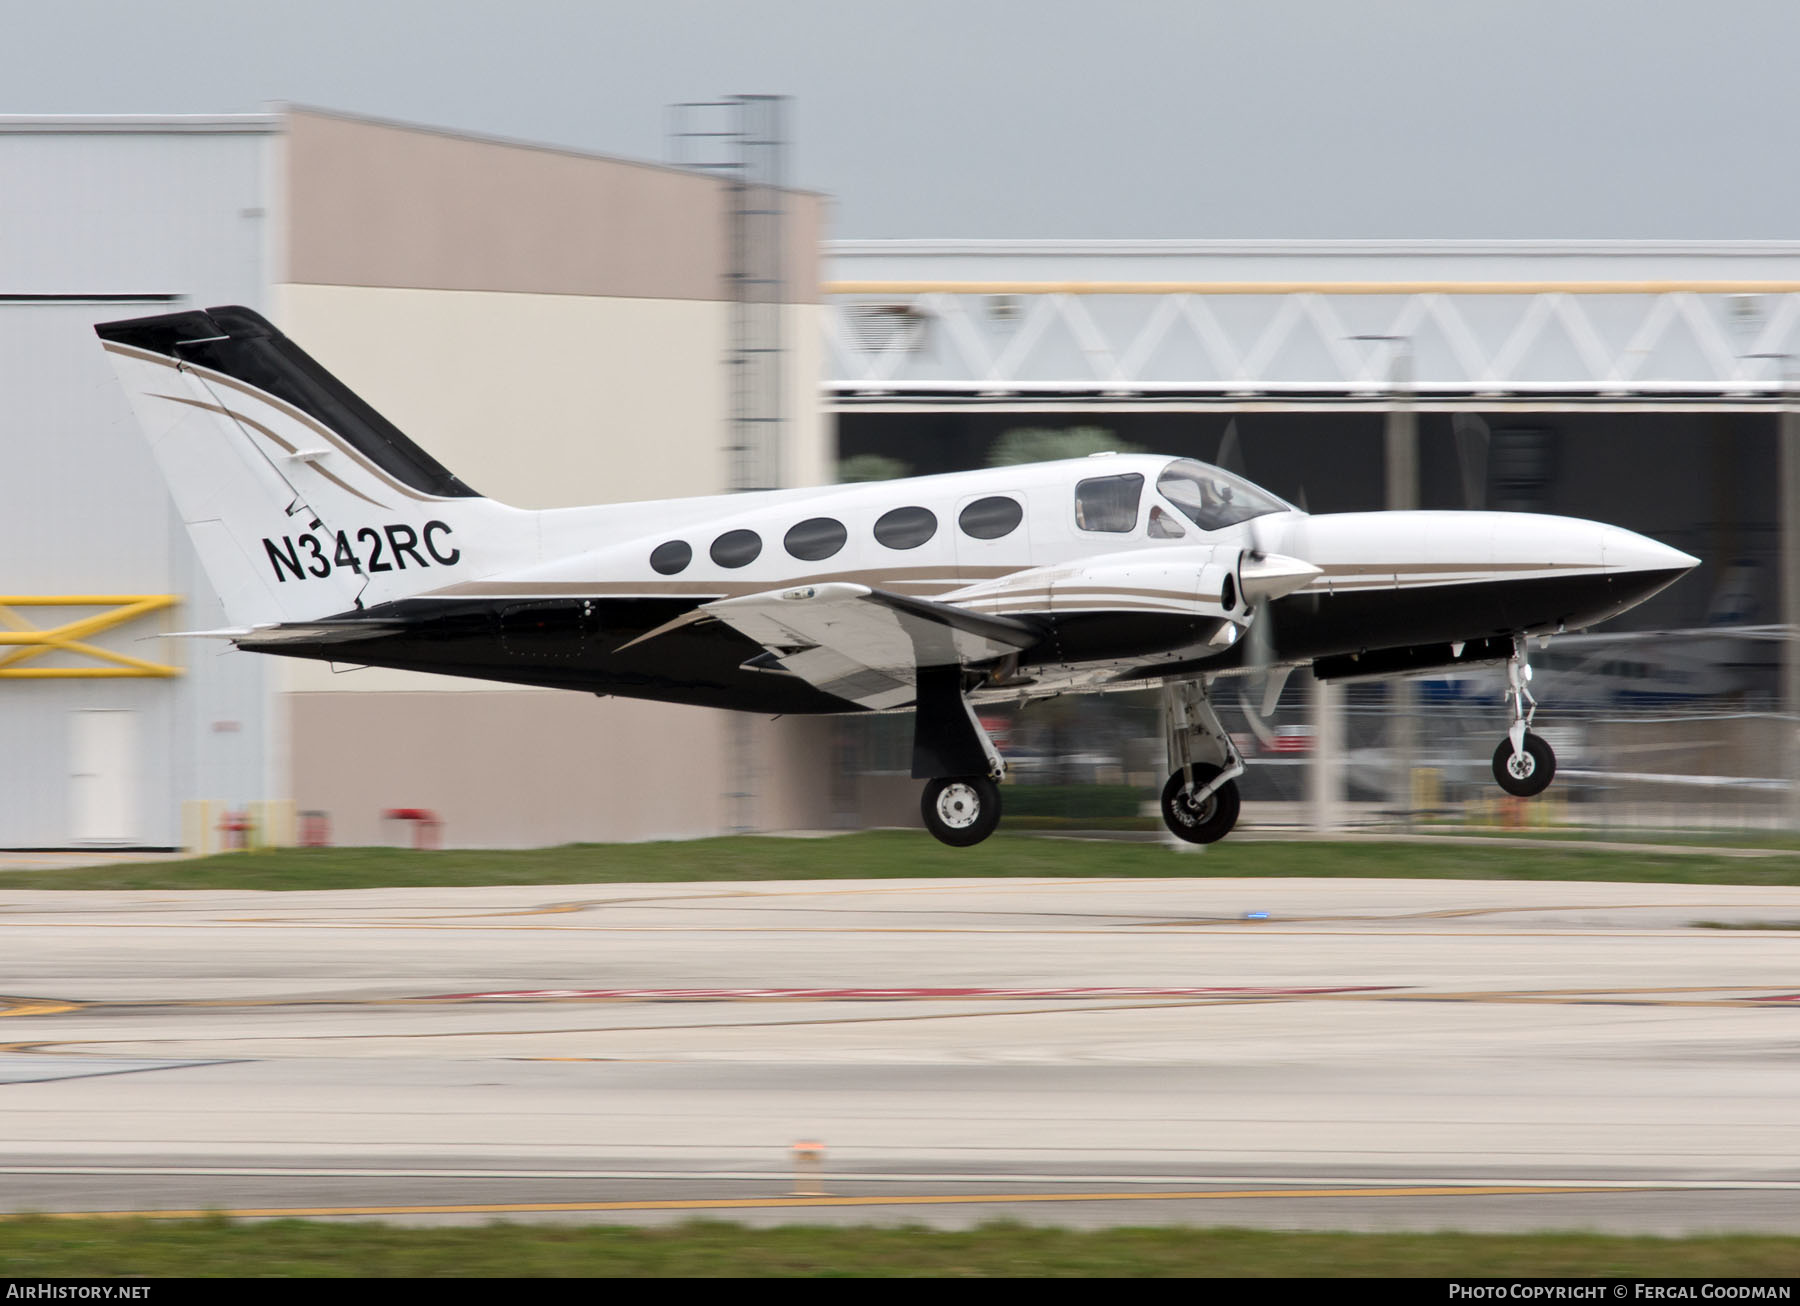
x: 615, y: 620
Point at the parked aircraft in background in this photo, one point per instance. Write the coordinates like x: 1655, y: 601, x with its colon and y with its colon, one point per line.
x: 1625, y: 670
x: 329, y: 534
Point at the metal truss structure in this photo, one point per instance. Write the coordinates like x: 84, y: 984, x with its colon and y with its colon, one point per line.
x: 1304, y: 344
x: 1611, y: 341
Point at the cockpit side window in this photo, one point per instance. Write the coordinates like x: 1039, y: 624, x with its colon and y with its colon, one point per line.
x: 1108, y: 503
x: 1165, y: 525
x: 1213, y: 499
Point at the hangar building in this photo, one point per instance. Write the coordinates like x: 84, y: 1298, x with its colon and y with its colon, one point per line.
x: 555, y: 327
x: 1652, y: 385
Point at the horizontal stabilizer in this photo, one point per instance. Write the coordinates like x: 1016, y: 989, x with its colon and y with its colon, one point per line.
x: 317, y: 632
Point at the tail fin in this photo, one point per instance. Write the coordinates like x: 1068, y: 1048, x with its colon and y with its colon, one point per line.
x: 301, y: 499
x: 1736, y: 599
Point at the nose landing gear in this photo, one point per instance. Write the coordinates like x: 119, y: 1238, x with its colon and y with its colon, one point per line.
x: 1197, y: 819
x: 1524, y: 764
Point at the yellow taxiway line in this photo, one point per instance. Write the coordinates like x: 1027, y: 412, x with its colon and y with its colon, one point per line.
x: 797, y: 1202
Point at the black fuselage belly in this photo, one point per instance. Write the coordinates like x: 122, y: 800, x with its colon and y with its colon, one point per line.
x: 596, y: 646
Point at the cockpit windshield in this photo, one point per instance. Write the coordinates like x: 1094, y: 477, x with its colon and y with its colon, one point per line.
x: 1213, y: 499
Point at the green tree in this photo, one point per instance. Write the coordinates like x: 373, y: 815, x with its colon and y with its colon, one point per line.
x: 871, y: 467
x: 1038, y: 444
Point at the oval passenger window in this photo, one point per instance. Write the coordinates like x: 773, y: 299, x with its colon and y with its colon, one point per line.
x: 906, y: 528
x: 816, y: 538
x: 989, y: 519
x: 736, y: 548
x: 671, y: 557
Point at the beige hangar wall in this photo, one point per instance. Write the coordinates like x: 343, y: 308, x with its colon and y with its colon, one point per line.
x: 549, y: 401
x: 547, y: 326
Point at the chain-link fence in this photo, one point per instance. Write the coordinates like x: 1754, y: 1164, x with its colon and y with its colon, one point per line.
x: 1708, y: 764
x: 1672, y: 765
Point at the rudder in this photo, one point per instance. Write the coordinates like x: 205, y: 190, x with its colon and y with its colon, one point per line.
x: 300, y: 498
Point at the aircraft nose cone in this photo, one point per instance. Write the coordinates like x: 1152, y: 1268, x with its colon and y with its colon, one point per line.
x: 1637, y: 567
x: 1625, y: 551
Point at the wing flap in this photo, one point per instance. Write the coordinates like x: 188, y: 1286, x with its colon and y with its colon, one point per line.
x: 864, y: 645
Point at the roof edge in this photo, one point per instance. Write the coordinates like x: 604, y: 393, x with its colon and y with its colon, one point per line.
x: 513, y: 142
x: 107, y: 124
x: 1309, y: 248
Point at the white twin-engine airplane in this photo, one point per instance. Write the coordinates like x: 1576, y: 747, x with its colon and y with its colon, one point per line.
x: 329, y: 534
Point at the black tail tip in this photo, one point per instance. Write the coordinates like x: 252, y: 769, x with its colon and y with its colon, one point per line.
x: 242, y: 344
x: 165, y: 333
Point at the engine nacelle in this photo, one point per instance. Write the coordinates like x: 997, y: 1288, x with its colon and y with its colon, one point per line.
x: 1194, y: 581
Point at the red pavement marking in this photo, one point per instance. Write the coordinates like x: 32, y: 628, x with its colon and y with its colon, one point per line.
x: 704, y: 995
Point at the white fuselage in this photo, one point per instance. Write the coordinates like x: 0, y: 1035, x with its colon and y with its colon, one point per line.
x: 1355, y: 552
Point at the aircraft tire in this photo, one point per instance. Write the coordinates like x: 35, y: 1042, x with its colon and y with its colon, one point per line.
x: 1534, y: 772
x: 960, y: 810
x: 1213, y: 819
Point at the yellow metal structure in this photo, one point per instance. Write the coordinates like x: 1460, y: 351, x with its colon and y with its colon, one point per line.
x: 28, y: 641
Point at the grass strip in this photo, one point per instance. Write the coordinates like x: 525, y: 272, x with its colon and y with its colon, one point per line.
x: 882, y: 854
x: 39, y: 1247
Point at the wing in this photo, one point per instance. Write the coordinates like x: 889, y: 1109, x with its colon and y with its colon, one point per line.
x: 867, y: 646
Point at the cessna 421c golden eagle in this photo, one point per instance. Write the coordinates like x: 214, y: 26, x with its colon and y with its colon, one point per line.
x: 329, y: 534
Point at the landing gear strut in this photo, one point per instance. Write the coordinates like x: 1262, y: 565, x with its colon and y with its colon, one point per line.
x: 953, y: 755
x: 1524, y: 764
x: 1200, y: 800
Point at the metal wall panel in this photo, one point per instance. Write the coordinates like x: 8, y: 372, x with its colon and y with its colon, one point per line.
x: 83, y: 510
x: 115, y: 212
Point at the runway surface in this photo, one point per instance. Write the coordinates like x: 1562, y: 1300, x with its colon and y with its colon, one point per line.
x: 1352, y: 1054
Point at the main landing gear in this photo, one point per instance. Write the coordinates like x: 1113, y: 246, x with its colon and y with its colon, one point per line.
x: 961, y: 810
x: 961, y: 767
x: 1524, y: 764
x: 1200, y: 800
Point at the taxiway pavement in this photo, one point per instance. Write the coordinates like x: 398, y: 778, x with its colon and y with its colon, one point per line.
x: 1288, y: 1053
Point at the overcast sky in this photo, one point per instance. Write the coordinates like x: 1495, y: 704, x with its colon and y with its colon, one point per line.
x: 1048, y: 118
